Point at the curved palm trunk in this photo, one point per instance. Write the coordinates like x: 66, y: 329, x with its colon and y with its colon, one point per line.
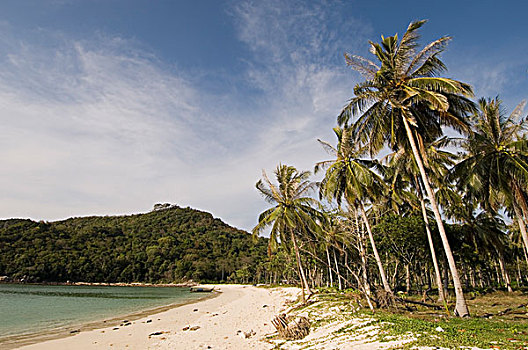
x: 329, y: 268
x: 337, y: 269
x: 304, y: 283
x: 461, y: 308
x: 504, y: 273
x: 522, y: 228
x: 441, y: 292
x: 364, y: 266
x: 386, y: 286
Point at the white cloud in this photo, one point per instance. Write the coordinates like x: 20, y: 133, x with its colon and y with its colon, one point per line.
x: 100, y: 127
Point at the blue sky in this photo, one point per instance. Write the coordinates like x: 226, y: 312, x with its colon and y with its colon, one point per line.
x: 111, y: 106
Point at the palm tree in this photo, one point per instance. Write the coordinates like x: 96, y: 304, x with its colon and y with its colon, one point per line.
x: 496, y: 163
x: 402, y: 104
x: 349, y: 177
x: 293, y: 213
x: 438, y: 162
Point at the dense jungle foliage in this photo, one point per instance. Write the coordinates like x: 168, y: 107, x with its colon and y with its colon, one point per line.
x: 168, y: 244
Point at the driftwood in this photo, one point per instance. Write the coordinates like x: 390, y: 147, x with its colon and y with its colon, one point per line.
x: 436, y: 307
x: 294, y: 329
x: 506, y: 311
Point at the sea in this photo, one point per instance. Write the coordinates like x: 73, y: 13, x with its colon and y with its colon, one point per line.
x: 31, y: 312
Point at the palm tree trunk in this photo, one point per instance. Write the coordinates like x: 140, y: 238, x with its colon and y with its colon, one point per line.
x: 522, y: 227
x: 304, y: 283
x: 337, y: 269
x: 461, y: 308
x: 395, y: 280
x: 407, y: 278
x: 386, y: 286
x: 441, y: 296
x: 504, y: 273
x: 329, y: 268
x: 518, y: 275
x: 364, y: 262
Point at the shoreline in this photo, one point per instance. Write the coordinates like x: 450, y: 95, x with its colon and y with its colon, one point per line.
x: 21, y: 340
x: 220, y: 321
x: 104, y: 284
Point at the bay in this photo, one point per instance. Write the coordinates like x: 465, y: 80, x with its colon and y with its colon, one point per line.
x: 27, y: 310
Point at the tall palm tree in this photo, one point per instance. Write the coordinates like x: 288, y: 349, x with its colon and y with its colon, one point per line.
x: 496, y: 163
x: 293, y: 213
x: 438, y: 160
x: 402, y: 103
x: 350, y: 177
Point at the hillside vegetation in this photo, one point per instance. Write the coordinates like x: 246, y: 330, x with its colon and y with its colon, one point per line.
x: 165, y: 245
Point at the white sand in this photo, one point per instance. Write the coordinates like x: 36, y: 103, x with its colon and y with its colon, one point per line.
x: 222, y: 322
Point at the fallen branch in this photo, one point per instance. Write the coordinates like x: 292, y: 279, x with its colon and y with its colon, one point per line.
x: 436, y: 307
x: 505, y: 311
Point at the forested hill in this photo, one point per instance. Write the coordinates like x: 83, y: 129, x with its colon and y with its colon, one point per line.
x: 165, y: 245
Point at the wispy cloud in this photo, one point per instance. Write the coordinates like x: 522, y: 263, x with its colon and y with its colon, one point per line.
x: 99, y: 126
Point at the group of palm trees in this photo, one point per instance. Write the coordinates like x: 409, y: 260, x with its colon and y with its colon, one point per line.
x: 402, y: 109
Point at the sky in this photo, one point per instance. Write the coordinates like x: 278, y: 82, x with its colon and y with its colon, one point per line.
x: 110, y: 106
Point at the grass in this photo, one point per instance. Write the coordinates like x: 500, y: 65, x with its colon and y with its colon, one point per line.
x: 455, y: 332
x: 433, y: 328
x: 424, y: 326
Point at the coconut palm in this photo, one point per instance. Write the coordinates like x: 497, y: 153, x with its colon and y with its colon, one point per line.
x: 403, y: 103
x: 495, y: 167
x: 350, y: 177
x: 438, y: 160
x: 293, y: 214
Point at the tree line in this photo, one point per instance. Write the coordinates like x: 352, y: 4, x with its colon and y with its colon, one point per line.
x: 402, y: 204
x: 168, y: 244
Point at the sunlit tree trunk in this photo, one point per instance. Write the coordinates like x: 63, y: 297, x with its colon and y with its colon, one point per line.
x: 522, y: 228
x: 441, y: 293
x: 461, y: 308
x: 386, y: 286
x: 337, y: 269
x: 407, y: 278
x: 504, y: 273
x: 304, y: 283
x: 364, y: 262
x: 329, y: 268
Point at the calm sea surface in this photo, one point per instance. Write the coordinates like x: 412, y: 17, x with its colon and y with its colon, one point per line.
x: 26, y: 309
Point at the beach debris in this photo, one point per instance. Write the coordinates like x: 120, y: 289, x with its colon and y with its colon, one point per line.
x: 156, y: 333
x: 75, y: 331
x: 115, y: 328
x: 264, y: 305
x: 194, y: 328
x: 195, y: 310
x: 249, y: 334
x: 125, y: 324
x: 291, y: 329
x: 186, y: 328
x: 439, y: 329
x: 148, y: 321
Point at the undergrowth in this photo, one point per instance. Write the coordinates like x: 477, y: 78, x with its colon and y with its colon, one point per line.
x: 455, y: 332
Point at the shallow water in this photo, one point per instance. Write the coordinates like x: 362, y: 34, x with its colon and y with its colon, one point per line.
x: 28, y: 309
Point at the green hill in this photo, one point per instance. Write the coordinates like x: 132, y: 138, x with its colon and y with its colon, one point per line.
x: 165, y: 245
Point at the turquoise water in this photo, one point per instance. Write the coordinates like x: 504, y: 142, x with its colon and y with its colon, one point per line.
x: 27, y: 309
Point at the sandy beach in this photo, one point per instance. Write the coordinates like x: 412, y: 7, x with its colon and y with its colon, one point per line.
x: 216, y: 323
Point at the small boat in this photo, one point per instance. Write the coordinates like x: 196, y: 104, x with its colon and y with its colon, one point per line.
x: 201, y: 289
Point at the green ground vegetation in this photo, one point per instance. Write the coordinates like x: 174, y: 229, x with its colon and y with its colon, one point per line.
x: 498, y: 321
